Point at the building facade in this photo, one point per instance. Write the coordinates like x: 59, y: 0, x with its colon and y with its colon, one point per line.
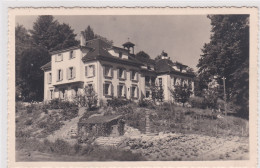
x: 111, y: 71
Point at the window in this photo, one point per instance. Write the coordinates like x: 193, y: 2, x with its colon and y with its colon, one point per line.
x: 134, y: 75
x: 160, y: 81
x: 121, y: 90
x: 134, y: 91
x: 120, y: 55
x: 152, y: 81
x: 108, y: 89
x: 108, y: 72
x: 74, y: 92
x: 59, y: 75
x: 121, y: 73
x: 49, y: 78
x: 59, y: 57
x: 91, y: 71
x: 71, y: 73
x: 147, y: 80
x: 50, y: 96
x: 147, y: 94
x: 72, y: 54
x: 62, y: 93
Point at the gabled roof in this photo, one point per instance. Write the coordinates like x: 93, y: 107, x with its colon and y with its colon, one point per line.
x: 46, y: 66
x: 68, y: 49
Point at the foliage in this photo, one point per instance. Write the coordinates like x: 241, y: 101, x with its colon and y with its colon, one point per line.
x: 181, y: 93
x: 117, y: 102
x: 227, y: 54
x: 59, y: 104
x: 52, y: 35
x: 146, y: 103
x: 88, y: 33
x: 157, y: 93
x: 87, y: 99
x: 197, y: 102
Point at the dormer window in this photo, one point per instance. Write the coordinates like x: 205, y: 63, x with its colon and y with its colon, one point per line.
x: 59, y: 57
x: 72, y: 54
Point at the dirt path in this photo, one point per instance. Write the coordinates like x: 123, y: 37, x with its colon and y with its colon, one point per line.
x: 67, y: 128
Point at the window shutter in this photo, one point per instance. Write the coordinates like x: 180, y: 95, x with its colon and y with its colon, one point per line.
x: 131, y: 75
x: 93, y: 70
x: 137, y: 91
x: 61, y: 74
x: 50, y: 77
x: 118, y: 87
x: 86, y: 70
x: 67, y: 74
x: 57, y: 75
x: 74, y: 72
x: 118, y: 74
x: 112, y: 90
x: 112, y: 72
x: 125, y: 73
x: 104, y: 93
x: 125, y: 91
x: 131, y: 94
x: 137, y: 76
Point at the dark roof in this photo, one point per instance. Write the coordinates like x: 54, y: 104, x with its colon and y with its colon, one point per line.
x: 46, y: 66
x: 165, y: 66
x: 68, y: 49
x: 100, y: 51
x: 128, y: 44
x: 147, y: 61
x: 100, y: 119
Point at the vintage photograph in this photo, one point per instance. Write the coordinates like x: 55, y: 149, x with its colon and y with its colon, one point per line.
x: 132, y: 87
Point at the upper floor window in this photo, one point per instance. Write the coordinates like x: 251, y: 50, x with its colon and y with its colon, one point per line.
x: 49, y: 78
x: 71, y: 73
x: 72, y: 54
x: 90, y: 71
x: 160, y: 82
x: 59, y: 75
x: 108, y: 72
x: 134, y: 75
x: 59, y: 57
x: 121, y: 73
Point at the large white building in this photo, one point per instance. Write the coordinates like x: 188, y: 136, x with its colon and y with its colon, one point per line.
x: 112, y: 72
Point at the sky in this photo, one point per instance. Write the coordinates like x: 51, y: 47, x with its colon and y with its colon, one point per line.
x: 181, y: 36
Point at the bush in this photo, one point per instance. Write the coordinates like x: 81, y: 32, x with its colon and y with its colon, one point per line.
x: 117, y: 102
x: 197, y: 102
x: 146, y: 103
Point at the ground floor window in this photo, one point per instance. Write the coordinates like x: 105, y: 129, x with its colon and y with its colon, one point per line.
x: 134, y: 91
x: 121, y: 90
x: 147, y: 94
x: 50, y: 94
x: 62, y: 93
x: 108, y: 89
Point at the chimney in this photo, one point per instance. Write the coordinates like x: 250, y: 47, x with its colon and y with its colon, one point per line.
x: 82, y: 39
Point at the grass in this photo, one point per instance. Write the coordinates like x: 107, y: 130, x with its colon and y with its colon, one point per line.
x: 61, y: 148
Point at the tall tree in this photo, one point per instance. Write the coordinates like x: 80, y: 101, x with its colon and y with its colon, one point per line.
x: 52, y: 35
x: 142, y: 55
x: 88, y: 33
x: 22, y: 42
x: 31, y: 74
x: 227, y: 55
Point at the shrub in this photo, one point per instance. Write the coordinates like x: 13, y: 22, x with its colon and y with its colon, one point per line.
x: 117, y: 102
x: 87, y: 99
x: 181, y: 94
x: 197, y: 102
x: 146, y: 103
x: 30, y: 108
